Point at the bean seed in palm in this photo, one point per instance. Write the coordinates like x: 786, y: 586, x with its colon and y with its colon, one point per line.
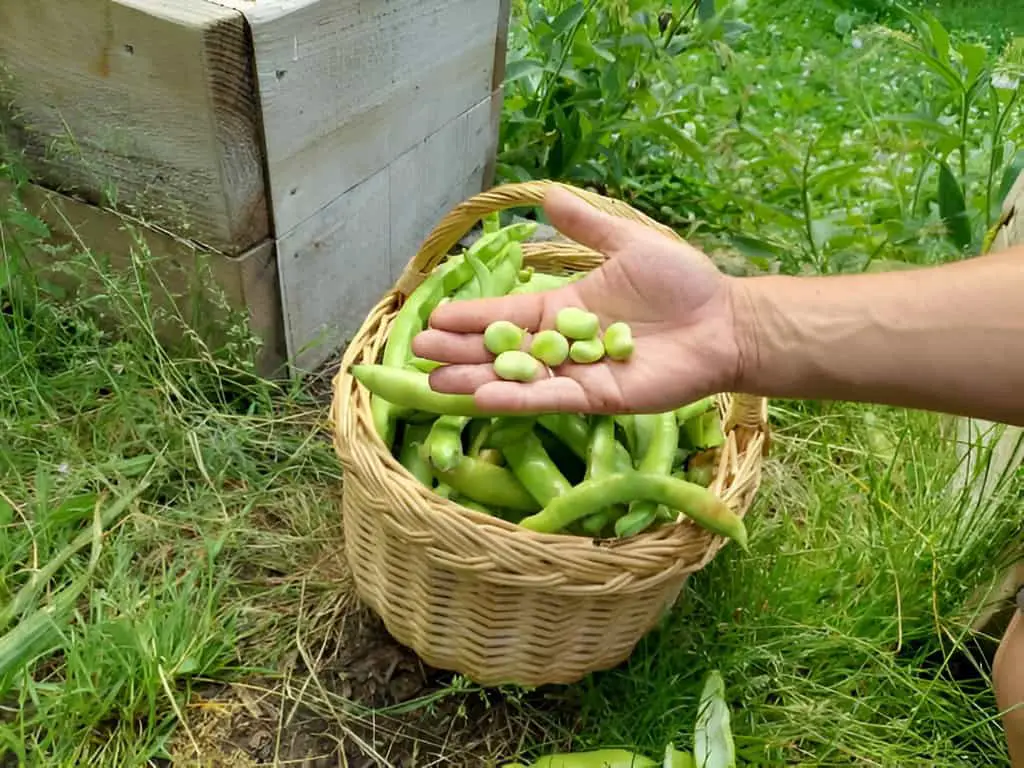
x: 515, y: 365
x: 618, y: 341
x: 576, y: 323
x: 550, y: 347
x: 502, y: 336
x: 586, y: 351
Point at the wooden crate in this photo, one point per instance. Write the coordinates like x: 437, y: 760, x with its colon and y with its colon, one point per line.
x: 174, y: 270
x: 336, y: 131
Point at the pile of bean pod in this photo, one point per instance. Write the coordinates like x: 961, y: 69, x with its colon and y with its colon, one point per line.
x: 596, y: 476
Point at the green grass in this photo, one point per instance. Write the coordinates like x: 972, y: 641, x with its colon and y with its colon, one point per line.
x: 193, y: 504
x: 836, y: 634
x: 988, y: 18
x: 225, y: 486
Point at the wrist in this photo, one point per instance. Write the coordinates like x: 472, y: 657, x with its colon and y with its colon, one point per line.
x: 745, y: 296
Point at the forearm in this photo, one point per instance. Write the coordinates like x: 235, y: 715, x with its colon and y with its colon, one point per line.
x: 947, y: 339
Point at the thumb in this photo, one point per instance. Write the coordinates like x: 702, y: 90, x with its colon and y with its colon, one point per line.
x: 578, y: 220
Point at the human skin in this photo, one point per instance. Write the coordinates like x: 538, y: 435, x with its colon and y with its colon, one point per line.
x: 948, y: 338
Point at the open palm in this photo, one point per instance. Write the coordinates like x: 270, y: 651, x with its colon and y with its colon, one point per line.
x: 676, y: 301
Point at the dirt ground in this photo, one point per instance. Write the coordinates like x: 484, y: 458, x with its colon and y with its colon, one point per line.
x: 320, y: 721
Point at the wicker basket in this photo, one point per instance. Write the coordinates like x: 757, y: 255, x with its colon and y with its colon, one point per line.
x: 478, y: 595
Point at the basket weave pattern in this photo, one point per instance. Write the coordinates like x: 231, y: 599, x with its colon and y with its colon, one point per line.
x: 479, y: 595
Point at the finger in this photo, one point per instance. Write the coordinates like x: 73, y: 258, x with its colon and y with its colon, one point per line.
x: 448, y: 347
x: 461, y: 379
x: 579, y: 220
x: 553, y: 395
x: 473, y: 316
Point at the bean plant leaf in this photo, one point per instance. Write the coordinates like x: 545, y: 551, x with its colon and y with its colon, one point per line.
x: 953, y: 207
x: 946, y: 138
x: 706, y: 10
x: 974, y: 56
x: 831, y: 178
x: 569, y: 18
x: 712, y: 736
x: 520, y: 68
x: 682, y: 142
x: 927, y: 51
x: 939, y: 37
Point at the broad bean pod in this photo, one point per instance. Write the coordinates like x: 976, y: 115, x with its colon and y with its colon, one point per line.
x: 443, y: 446
x: 533, y: 467
x: 605, y: 456
x: 488, y: 484
x: 597, y: 758
x: 409, y: 455
x: 660, y: 454
x: 572, y: 429
x: 590, y: 496
x: 411, y: 389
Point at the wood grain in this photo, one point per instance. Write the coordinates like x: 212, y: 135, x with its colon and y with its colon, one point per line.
x: 148, y: 104
x: 336, y: 265
x: 349, y: 85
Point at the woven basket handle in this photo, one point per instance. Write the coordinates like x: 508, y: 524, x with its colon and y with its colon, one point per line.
x: 746, y: 411
x: 462, y: 218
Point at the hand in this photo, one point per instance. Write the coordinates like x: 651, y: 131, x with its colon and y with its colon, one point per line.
x: 678, y: 304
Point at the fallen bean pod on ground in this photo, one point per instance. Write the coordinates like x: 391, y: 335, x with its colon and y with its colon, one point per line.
x: 594, y: 476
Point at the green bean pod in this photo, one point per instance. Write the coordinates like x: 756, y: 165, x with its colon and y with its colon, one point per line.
x: 478, y: 430
x: 474, y: 505
x: 411, y: 389
x: 443, y: 446
x: 661, y: 452
x: 645, y: 424
x: 423, y: 365
x: 571, y: 428
x: 597, y: 758
x: 605, y: 456
x: 590, y: 496
x: 704, y: 431
x: 506, y: 270
x: 713, y: 434
x: 540, y: 282
x: 627, y: 422
x: 491, y: 222
x: 639, y: 519
x: 488, y: 484
x: 483, y: 280
x: 533, y: 468
x: 508, y: 429
x: 490, y: 244
x: 409, y: 455
x: 410, y: 320
x: 697, y: 408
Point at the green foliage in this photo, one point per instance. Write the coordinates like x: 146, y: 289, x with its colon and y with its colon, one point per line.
x: 806, y: 137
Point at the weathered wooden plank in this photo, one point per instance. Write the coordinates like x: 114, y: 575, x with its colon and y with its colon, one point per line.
x: 148, y: 103
x: 335, y: 266
x: 449, y: 166
x: 990, y: 454
x: 349, y: 85
x: 173, y: 270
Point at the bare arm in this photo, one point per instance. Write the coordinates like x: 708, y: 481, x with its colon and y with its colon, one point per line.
x: 947, y: 338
